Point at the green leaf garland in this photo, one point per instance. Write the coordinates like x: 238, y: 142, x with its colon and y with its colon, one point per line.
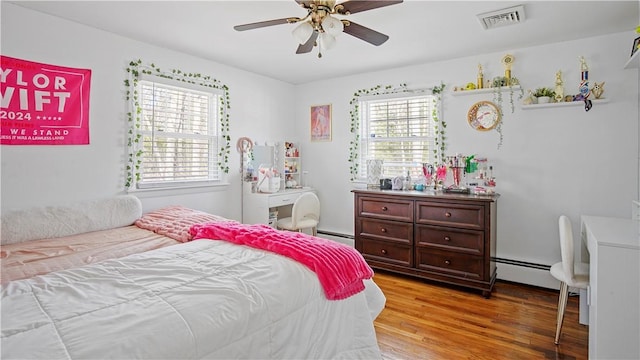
x: 354, y: 113
x: 134, y: 70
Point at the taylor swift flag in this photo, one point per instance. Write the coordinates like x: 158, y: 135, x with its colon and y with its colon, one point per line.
x: 43, y: 104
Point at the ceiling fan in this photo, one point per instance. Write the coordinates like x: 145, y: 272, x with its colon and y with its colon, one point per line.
x: 320, y: 26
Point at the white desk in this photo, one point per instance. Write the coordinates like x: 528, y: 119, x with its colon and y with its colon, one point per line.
x: 614, y: 289
x: 255, y: 206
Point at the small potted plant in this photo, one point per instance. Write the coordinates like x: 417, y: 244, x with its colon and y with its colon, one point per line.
x: 544, y: 95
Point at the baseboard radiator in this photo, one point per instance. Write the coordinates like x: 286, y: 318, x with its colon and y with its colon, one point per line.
x: 522, y: 264
x: 508, y: 269
x: 345, y: 236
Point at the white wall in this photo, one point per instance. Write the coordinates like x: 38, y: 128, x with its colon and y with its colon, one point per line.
x: 50, y: 175
x: 553, y: 161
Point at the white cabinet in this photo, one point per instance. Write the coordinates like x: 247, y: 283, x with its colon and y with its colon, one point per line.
x: 614, y: 286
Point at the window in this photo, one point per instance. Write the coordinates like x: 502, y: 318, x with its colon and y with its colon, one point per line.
x: 401, y: 131
x: 179, y: 134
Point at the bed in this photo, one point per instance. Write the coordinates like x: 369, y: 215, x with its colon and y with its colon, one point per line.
x: 101, y: 280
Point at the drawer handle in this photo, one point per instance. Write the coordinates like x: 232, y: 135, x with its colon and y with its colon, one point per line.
x: 447, y: 214
x: 448, y: 262
x: 383, y: 251
x: 384, y: 208
x: 383, y: 230
x: 446, y: 238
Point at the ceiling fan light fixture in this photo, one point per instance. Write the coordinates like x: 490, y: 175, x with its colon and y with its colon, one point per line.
x: 332, y: 25
x: 327, y: 41
x: 302, y: 32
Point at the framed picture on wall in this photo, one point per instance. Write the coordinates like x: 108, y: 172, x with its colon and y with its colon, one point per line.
x: 636, y: 43
x: 321, y: 122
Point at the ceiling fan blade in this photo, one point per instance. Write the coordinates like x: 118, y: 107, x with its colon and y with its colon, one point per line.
x: 355, y: 6
x: 366, y: 34
x: 265, y: 23
x: 308, y: 46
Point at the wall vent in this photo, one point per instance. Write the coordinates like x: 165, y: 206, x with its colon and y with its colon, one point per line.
x: 510, y: 16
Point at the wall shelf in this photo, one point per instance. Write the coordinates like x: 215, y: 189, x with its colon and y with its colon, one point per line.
x: 634, y: 61
x: 562, y: 104
x: 486, y: 91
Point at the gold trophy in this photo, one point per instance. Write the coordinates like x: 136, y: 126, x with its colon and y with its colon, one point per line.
x: 507, y: 61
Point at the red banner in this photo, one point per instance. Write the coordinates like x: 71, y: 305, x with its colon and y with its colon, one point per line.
x: 42, y: 104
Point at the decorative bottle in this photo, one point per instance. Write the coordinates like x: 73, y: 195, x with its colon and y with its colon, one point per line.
x: 407, y: 182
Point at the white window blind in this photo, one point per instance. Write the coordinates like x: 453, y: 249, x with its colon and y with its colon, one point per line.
x: 179, y: 129
x: 400, y: 131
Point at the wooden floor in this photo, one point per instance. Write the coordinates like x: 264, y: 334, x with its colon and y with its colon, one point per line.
x: 426, y: 320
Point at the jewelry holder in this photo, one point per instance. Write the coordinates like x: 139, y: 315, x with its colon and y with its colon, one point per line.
x: 457, y: 164
x: 428, y: 171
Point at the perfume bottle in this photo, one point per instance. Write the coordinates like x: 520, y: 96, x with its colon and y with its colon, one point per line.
x: 407, y: 182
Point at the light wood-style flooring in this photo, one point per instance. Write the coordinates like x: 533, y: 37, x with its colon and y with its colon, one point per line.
x: 427, y: 320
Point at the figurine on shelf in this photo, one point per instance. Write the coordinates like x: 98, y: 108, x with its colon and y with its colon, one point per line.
x: 530, y: 99
x: 597, y: 89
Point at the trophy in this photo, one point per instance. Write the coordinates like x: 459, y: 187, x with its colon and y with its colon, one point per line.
x: 584, y: 84
x: 559, y: 89
x: 507, y: 61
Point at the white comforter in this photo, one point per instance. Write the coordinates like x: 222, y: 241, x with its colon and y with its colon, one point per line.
x: 203, y: 299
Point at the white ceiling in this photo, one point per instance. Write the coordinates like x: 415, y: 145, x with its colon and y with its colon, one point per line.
x: 420, y: 31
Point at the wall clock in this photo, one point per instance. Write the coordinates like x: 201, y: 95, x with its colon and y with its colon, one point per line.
x: 484, y: 115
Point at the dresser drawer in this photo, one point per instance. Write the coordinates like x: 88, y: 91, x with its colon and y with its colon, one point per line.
x: 385, y: 230
x: 384, y: 208
x: 448, y: 214
x: 450, y: 263
x: 392, y: 253
x: 454, y: 239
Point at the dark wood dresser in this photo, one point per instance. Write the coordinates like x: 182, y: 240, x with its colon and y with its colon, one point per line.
x: 439, y: 236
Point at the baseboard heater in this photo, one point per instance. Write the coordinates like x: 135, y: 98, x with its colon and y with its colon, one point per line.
x: 521, y: 263
x: 323, y: 232
x: 496, y: 259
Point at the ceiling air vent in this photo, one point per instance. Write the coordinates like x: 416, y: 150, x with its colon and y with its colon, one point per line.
x: 510, y: 16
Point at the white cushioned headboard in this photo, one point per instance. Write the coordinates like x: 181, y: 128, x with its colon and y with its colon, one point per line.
x: 58, y: 221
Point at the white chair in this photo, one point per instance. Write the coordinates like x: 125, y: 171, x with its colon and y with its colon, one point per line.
x: 567, y: 272
x: 305, y: 214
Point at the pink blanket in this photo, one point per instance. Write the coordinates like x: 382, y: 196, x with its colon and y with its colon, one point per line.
x: 340, y: 268
x: 175, y: 221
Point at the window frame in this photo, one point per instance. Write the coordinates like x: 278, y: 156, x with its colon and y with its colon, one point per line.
x: 364, y: 139
x: 213, y: 95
